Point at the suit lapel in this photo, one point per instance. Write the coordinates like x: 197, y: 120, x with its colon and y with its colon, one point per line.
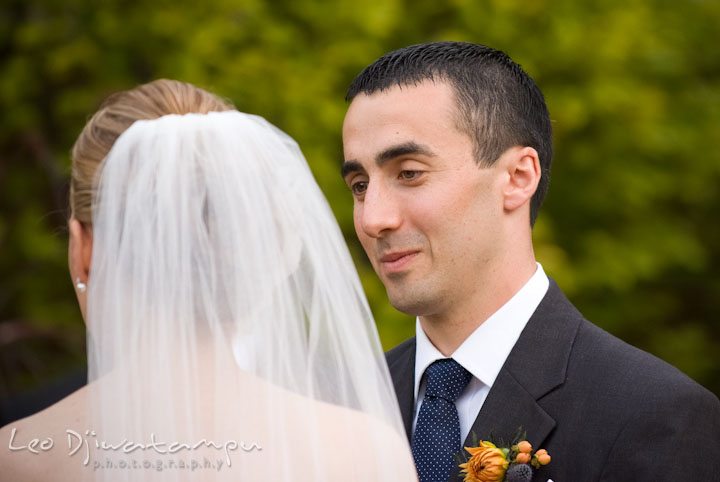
x: 507, y: 409
x: 401, y: 362
x: 536, y: 365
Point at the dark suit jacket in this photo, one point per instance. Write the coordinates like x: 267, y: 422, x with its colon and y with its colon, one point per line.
x: 604, y: 410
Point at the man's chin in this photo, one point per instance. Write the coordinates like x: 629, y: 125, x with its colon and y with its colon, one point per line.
x: 409, y: 303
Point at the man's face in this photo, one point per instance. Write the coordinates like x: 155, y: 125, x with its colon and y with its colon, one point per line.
x: 428, y: 217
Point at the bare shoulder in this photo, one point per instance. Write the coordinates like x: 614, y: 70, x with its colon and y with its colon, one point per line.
x: 36, y: 447
x: 360, y: 446
x: 324, y: 440
x: 382, y: 452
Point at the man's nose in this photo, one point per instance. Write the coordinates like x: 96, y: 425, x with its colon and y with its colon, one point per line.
x: 381, y: 211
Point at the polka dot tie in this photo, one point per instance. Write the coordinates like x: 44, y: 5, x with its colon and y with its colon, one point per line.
x: 436, y: 439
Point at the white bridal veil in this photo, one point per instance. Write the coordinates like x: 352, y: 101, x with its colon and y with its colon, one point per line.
x: 229, y: 337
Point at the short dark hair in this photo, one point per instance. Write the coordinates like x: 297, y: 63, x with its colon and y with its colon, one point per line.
x: 499, y: 105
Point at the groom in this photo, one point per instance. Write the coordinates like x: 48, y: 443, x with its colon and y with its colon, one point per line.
x: 447, y: 153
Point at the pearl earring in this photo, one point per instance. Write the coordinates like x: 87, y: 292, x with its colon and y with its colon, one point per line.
x: 80, y: 285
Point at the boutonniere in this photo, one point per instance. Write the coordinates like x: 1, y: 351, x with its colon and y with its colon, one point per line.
x: 490, y: 463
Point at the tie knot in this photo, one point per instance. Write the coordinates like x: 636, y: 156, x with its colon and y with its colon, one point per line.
x: 446, y: 379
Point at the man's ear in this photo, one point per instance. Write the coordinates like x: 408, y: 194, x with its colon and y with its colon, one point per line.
x: 79, y: 251
x: 523, y: 169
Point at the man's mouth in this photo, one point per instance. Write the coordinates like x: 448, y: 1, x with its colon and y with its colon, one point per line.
x: 397, y: 260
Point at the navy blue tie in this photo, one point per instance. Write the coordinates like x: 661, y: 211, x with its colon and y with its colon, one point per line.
x: 437, y: 433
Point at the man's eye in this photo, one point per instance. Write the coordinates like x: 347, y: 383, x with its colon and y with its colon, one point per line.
x: 359, y: 187
x: 409, y: 175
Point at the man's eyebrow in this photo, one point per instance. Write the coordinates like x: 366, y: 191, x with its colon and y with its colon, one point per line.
x: 403, y: 149
x: 386, y: 155
x: 350, y: 167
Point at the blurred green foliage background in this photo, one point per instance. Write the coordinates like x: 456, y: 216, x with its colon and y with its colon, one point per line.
x: 630, y: 227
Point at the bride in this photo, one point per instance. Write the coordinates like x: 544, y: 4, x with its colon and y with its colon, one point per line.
x: 228, y: 335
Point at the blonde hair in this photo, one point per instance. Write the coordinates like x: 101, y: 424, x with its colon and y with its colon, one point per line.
x: 120, y: 110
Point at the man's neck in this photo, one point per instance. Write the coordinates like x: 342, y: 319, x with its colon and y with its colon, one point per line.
x: 447, y: 330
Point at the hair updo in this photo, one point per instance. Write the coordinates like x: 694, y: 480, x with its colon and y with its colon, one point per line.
x: 145, y: 102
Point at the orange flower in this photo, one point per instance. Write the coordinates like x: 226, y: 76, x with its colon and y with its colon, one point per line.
x: 487, y: 464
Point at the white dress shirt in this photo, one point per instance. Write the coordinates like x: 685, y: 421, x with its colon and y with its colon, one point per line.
x: 484, y: 352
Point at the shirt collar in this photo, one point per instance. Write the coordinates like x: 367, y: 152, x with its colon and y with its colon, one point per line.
x: 484, y: 352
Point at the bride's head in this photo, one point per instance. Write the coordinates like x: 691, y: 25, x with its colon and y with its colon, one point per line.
x: 148, y: 101
x: 204, y: 225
